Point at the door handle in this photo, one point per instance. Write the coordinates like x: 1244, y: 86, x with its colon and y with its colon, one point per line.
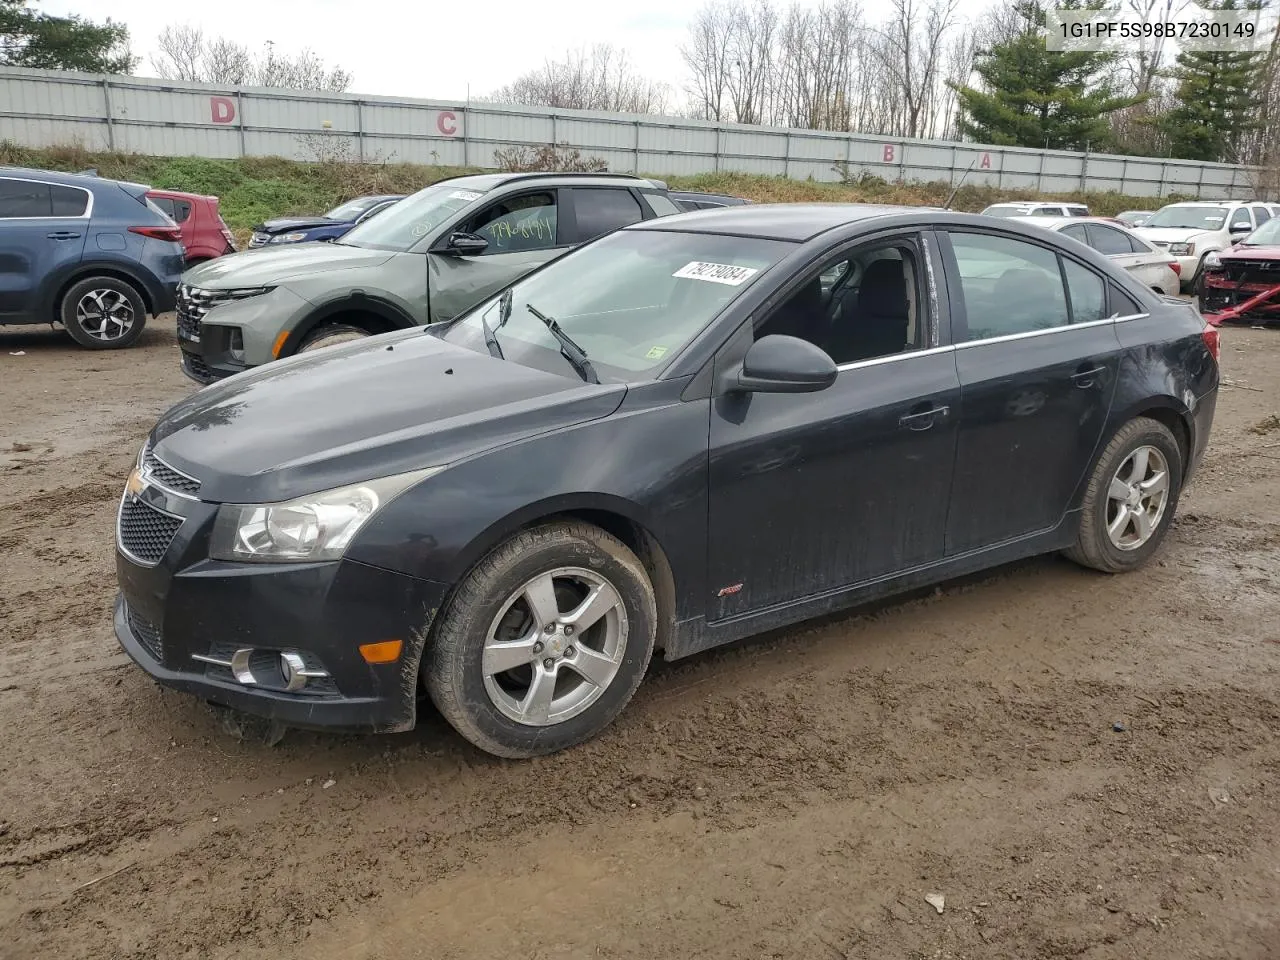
x: 63, y: 235
x: 1084, y: 378
x: 923, y: 419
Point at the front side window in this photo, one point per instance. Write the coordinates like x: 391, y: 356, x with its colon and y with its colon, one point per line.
x: 601, y: 210
x: 516, y: 224
x: 1009, y: 286
x: 22, y: 198
x: 861, y: 308
x: 631, y: 301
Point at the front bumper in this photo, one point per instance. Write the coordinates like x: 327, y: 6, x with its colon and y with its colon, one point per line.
x: 207, y: 325
x: 1243, y: 299
x: 185, y: 606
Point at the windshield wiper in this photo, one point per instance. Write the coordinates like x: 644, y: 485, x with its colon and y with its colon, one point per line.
x: 490, y: 338
x: 504, y: 308
x: 568, y: 349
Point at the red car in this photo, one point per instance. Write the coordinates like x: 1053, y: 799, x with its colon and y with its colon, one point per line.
x: 1242, y: 284
x: 204, y: 235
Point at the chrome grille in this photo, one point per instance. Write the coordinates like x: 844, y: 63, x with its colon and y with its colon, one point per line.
x: 145, y: 532
x: 147, y: 633
x: 193, y: 304
x: 165, y: 476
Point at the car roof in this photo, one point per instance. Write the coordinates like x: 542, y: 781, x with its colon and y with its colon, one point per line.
x: 1211, y: 203
x: 796, y: 222
x: 1036, y: 203
x: 490, y: 181
x: 1064, y: 221
x: 166, y: 192
x: 84, y: 180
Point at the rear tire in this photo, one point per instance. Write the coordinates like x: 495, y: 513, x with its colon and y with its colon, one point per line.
x: 564, y: 610
x: 103, y: 313
x: 1131, y: 498
x: 331, y: 335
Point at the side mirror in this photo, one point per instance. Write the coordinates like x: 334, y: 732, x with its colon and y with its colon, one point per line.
x: 780, y: 364
x: 1240, y: 228
x: 465, y: 245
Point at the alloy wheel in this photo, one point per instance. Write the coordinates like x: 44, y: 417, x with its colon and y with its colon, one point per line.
x: 1137, y: 497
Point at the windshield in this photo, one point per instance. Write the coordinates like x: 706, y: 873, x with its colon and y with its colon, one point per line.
x: 1006, y: 211
x: 1188, y: 218
x: 352, y: 208
x: 630, y: 300
x: 1265, y: 236
x: 406, y: 222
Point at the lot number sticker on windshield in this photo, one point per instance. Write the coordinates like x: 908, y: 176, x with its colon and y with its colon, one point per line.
x: 467, y: 195
x: 725, y: 273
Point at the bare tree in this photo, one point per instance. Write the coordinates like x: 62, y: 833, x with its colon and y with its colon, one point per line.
x: 597, y: 79
x: 707, y: 57
x: 912, y: 52
x: 185, y: 53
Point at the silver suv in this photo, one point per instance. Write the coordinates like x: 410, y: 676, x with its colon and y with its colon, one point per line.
x: 428, y: 258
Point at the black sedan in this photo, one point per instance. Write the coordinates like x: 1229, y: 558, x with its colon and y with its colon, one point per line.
x: 691, y: 430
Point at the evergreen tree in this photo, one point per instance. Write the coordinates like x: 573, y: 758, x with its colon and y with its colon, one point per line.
x: 1035, y: 97
x: 32, y: 39
x: 1218, y: 96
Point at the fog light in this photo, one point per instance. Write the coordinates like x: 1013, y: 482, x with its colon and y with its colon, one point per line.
x: 237, y: 345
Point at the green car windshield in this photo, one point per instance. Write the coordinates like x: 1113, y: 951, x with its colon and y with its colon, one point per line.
x: 630, y: 301
x: 406, y: 222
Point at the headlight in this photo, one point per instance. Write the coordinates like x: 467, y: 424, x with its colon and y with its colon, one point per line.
x: 289, y: 238
x: 1182, y: 249
x: 1212, y: 261
x: 318, y: 526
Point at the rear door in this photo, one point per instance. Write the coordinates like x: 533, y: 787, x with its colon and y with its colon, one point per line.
x: 42, y: 233
x: 1037, y: 359
x: 524, y: 230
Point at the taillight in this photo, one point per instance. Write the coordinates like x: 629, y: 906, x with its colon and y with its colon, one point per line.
x: 1212, y: 340
x: 172, y: 234
x: 1176, y: 267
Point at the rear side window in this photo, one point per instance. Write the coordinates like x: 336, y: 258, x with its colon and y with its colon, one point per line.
x: 1108, y: 241
x: 23, y: 198
x: 1047, y: 212
x: 1076, y: 231
x: 181, y: 211
x: 1010, y: 286
x: 1088, y: 296
x: 164, y: 203
x: 1261, y: 215
x: 1122, y: 305
x: 68, y: 201
x: 601, y: 210
x: 660, y: 205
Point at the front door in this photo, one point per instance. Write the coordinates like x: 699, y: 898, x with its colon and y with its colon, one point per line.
x: 1037, y: 359
x: 810, y: 493
x: 42, y: 231
x: 523, y: 231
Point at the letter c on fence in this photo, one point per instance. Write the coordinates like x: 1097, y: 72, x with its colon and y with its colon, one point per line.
x: 888, y: 153
x: 447, y: 122
x: 986, y: 162
x: 223, y: 109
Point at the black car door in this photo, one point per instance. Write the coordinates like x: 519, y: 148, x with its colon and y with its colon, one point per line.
x: 1037, y: 358
x: 814, y: 492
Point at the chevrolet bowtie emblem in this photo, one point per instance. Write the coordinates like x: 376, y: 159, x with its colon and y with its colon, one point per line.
x: 135, y: 484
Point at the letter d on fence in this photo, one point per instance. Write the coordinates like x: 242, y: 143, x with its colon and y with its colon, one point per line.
x: 223, y: 109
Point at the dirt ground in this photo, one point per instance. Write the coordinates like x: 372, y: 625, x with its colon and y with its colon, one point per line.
x: 795, y: 796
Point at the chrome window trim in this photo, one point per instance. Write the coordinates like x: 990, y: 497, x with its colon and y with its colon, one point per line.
x: 894, y: 357
x: 1027, y: 334
x: 88, y: 210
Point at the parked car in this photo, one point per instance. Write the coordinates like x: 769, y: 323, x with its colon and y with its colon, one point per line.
x: 1036, y: 209
x: 204, y: 233
x: 668, y: 439
x: 1134, y: 218
x: 93, y: 255
x: 1153, y: 268
x: 427, y: 259
x: 330, y: 226
x: 687, y: 200
x: 1242, y: 284
x: 1191, y: 230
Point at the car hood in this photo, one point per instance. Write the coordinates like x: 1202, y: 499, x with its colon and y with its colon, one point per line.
x: 271, y: 265
x: 1173, y: 234
x: 283, y: 224
x: 1251, y: 253
x: 390, y: 404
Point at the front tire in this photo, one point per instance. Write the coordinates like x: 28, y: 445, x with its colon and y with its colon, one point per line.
x: 331, y: 335
x: 103, y: 313
x: 1131, y: 498
x: 544, y: 642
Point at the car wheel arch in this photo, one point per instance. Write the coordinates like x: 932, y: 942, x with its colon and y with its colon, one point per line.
x: 1166, y: 410
x: 83, y: 271
x: 368, y: 313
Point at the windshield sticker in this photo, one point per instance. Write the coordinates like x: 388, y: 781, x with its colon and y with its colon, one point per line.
x: 655, y: 353
x: 725, y: 273
x: 467, y: 195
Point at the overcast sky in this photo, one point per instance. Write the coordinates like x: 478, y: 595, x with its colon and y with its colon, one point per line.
x: 431, y: 49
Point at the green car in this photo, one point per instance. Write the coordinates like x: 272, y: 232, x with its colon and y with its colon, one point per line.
x: 426, y: 259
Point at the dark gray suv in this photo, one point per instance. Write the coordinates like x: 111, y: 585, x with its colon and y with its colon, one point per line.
x: 426, y: 259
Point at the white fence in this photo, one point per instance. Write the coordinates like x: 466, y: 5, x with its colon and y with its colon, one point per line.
x: 167, y: 118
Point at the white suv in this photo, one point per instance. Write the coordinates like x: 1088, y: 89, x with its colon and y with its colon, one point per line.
x: 1191, y: 230
x: 1030, y: 208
